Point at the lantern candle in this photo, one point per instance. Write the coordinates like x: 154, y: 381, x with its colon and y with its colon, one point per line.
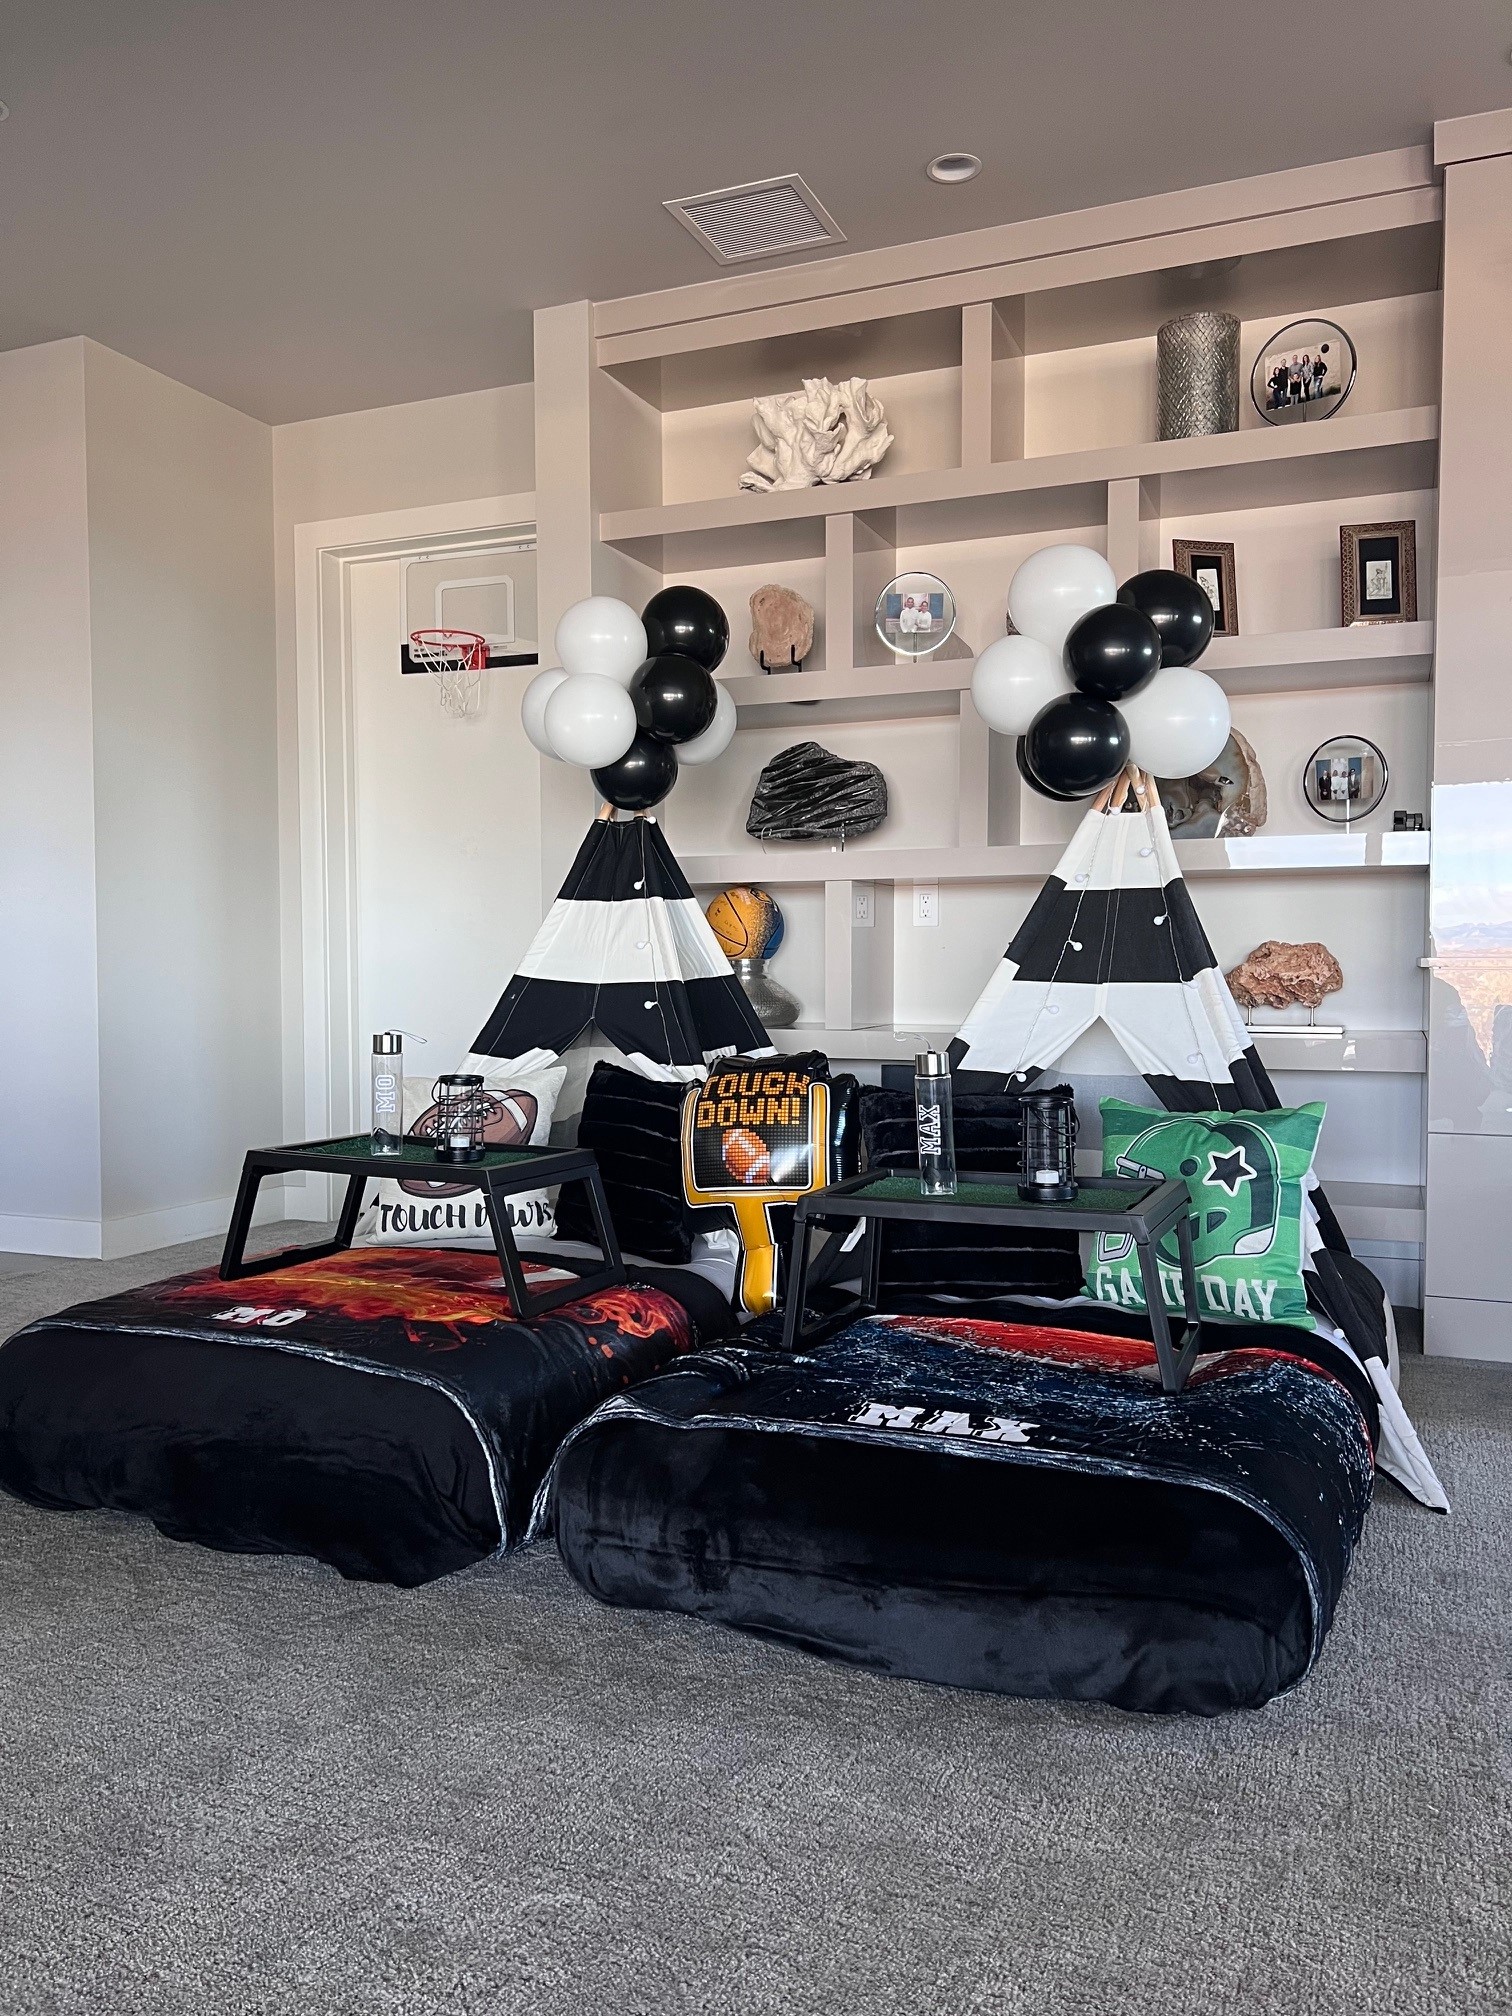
x: 1049, y: 1142
x: 459, y: 1117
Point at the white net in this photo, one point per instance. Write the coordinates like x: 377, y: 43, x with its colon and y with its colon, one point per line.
x: 455, y: 659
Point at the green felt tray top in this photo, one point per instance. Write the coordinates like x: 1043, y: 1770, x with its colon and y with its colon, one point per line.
x: 415, y: 1154
x: 1090, y: 1197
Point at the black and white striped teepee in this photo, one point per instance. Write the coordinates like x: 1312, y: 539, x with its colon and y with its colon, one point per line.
x: 626, y: 949
x: 1114, y: 937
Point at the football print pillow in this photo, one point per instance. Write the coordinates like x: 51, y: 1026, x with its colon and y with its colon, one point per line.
x: 445, y: 1211
x: 1246, y: 1174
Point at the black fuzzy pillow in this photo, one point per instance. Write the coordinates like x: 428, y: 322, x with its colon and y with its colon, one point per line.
x: 633, y: 1125
x: 972, y: 1263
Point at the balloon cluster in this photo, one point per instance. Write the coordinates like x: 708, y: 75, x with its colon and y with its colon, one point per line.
x: 1099, y: 675
x: 635, y: 695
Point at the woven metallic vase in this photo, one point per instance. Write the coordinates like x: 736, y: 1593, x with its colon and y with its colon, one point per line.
x: 1199, y: 375
x: 775, y: 1007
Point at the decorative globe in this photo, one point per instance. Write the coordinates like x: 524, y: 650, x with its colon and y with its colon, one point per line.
x: 747, y: 923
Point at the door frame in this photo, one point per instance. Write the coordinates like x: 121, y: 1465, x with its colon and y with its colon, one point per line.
x: 321, y: 1050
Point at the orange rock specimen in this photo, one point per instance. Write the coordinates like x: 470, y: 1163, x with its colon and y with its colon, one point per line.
x: 1277, y: 974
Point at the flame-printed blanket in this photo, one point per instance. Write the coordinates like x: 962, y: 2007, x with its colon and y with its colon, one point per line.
x: 212, y: 1406
x: 1129, y: 1551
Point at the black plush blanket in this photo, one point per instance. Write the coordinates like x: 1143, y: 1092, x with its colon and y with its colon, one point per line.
x: 381, y: 1409
x: 992, y: 1505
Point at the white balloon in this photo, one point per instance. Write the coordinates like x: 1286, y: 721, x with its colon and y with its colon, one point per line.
x: 589, y: 720
x: 1055, y: 588
x: 602, y: 636
x: 533, y: 709
x: 1178, y: 724
x: 1013, y: 679
x: 719, y: 734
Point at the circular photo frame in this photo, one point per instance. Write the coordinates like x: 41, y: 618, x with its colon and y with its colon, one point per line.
x: 916, y: 613
x: 1304, y: 372
x: 1345, y: 779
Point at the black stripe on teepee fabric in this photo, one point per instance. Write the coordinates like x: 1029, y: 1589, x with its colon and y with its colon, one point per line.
x: 653, y: 1020
x: 536, y: 1015
x: 622, y: 863
x: 1119, y: 935
x: 1026, y: 939
x: 675, y: 1021
x: 725, y: 1018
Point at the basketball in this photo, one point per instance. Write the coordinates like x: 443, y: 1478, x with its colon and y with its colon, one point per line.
x: 746, y: 922
x: 747, y: 1156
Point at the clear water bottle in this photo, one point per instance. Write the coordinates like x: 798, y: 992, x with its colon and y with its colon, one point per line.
x: 937, y: 1158
x: 388, y: 1092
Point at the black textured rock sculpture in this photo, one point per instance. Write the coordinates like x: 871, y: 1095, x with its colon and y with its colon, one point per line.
x: 808, y: 793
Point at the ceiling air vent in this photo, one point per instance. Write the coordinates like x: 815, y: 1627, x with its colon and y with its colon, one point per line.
x: 758, y: 220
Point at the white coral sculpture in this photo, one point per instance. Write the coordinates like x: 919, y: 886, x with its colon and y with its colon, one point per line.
x: 823, y: 434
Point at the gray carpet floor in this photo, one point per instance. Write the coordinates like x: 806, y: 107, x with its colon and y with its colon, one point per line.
x: 231, y: 1785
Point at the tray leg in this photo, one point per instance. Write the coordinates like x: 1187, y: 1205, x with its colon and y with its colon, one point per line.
x: 1160, y: 1325
x: 537, y: 1302
x: 795, y: 1332
x: 797, y: 1281
x: 231, y: 1267
x: 504, y: 1245
x: 1192, y: 1342
x: 236, y: 1267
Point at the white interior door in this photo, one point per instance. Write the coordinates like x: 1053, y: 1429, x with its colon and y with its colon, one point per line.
x: 447, y: 837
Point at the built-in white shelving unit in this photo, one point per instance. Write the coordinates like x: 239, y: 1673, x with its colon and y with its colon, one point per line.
x: 1018, y: 370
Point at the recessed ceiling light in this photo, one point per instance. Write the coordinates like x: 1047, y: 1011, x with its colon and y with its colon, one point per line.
x: 953, y: 167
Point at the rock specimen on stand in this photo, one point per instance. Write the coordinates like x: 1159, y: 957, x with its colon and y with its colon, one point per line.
x: 1226, y: 801
x: 782, y: 628
x: 807, y: 793
x: 1279, y: 975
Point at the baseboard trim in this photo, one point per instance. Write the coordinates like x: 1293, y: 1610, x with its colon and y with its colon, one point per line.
x: 50, y: 1238
x: 141, y: 1232
x: 1457, y: 1328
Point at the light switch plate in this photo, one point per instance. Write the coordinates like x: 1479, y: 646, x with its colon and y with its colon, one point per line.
x: 926, y: 903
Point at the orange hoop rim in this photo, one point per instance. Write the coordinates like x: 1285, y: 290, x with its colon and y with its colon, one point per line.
x: 471, y: 646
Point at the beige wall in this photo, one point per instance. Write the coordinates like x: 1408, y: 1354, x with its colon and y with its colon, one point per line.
x: 138, y: 803
x: 49, y: 1049
x: 180, y: 492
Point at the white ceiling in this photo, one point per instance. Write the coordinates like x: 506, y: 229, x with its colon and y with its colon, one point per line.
x: 314, y: 206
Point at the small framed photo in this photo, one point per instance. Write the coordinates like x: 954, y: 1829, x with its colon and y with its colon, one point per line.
x: 1378, y: 573
x: 1210, y: 563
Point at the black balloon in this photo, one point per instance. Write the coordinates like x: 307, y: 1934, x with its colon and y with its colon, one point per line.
x: 1178, y: 607
x: 674, y: 698
x: 1065, y: 797
x: 686, y: 620
x: 1076, y: 744
x: 641, y: 778
x: 1112, y: 651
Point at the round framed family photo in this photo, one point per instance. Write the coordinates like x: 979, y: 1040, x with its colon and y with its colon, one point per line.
x: 915, y: 614
x: 1304, y: 372
x: 1345, y: 778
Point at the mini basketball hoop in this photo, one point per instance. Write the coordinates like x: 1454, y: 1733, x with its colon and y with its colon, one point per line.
x: 455, y: 659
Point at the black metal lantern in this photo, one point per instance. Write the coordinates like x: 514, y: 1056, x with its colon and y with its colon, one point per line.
x: 1049, y: 1144
x: 459, y: 1117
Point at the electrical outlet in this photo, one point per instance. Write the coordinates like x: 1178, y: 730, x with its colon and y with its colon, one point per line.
x: 863, y: 904
x: 926, y: 903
